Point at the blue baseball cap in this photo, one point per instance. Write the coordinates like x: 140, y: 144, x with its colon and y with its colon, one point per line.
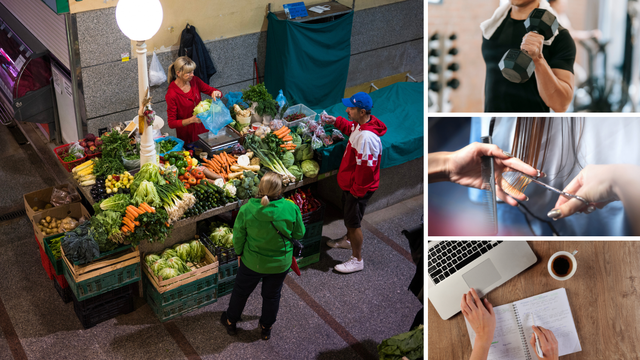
x: 360, y: 100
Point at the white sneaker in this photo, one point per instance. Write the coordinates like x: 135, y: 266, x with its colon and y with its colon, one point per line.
x: 343, y: 243
x: 352, y: 265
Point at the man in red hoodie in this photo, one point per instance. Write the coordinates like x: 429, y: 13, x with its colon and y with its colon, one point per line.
x: 359, y: 173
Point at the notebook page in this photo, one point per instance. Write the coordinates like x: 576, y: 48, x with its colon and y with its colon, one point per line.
x: 552, y: 311
x: 507, y: 343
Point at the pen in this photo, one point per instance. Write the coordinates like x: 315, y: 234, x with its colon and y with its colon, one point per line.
x: 538, y: 349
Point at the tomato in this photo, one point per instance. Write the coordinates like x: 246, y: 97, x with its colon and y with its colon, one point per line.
x: 192, y: 181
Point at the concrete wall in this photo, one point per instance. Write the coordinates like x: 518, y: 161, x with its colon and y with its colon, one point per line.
x: 463, y: 17
x: 386, y: 40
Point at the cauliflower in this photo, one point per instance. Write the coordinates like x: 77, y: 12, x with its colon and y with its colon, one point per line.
x: 219, y: 183
x: 229, y: 189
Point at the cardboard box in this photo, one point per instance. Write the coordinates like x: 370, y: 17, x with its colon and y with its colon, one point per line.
x: 74, y: 210
x: 38, y: 199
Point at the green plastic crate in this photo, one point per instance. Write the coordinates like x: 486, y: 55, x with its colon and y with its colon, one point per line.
x: 182, y: 292
x: 306, y: 261
x: 226, y: 287
x: 108, y: 253
x: 102, y: 283
x: 311, y: 246
x: 57, y: 263
x: 182, y: 306
x: 228, y: 270
x: 313, y: 230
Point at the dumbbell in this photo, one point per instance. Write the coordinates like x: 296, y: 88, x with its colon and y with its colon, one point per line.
x: 516, y: 65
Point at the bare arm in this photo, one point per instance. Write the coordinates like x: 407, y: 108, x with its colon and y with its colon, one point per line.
x: 554, y: 85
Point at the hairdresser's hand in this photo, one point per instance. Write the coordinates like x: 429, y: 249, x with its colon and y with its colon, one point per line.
x: 596, y: 184
x: 548, y: 343
x: 464, y: 167
x: 480, y: 316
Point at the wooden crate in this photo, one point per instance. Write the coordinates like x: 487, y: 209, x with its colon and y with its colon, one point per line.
x: 207, y: 267
x: 98, y: 277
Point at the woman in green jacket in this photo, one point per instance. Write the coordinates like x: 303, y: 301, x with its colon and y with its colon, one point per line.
x: 265, y: 254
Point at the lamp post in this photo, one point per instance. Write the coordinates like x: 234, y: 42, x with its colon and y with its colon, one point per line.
x: 140, y: 20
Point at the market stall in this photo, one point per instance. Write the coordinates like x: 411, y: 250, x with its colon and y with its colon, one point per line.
x: 158, y: 224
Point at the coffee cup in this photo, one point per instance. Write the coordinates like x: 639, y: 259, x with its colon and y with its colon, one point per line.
x: 562, y: 265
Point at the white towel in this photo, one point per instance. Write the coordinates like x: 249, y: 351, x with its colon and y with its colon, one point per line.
x: 490, y: 26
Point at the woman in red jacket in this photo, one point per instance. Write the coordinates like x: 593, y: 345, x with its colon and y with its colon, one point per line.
x: 183, y: 96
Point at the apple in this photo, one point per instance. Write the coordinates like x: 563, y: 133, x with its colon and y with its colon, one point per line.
x: 83, y: 143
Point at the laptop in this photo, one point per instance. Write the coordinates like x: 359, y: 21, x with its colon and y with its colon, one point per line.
x: 457, y: 266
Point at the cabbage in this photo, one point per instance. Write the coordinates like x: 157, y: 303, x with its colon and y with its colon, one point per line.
x: 196, y: 251
x: 227, y: 241
x: 183, y: 251
x: 310, y: 168
x: 169, y: 253
x: 303, y: 152
x: 151, y: 258
x: 296, y: 139
x: 168, y: 273
x: 288, y: 159
x: 295, y: 171
x: 178, y: 264
x: 146, y: 193
x: 203, y: 106
x: 158, y: 265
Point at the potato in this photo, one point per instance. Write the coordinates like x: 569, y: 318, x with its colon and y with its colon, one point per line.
x: 43, y: 222
x: 48, y: 218
x: 48, y: 206
x: 35, y: 208
x: 58, y: 223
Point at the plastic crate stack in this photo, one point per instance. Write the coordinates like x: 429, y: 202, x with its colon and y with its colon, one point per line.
x: 177, y: 296
x: 103, y: 289
x: 228, y: 265
x: 312, y: 239
x: 57, y: 271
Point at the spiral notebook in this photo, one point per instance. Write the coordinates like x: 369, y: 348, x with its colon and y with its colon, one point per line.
x: 513, y: 326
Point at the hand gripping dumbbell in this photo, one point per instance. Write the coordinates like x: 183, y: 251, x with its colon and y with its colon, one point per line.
x: 516, y: 65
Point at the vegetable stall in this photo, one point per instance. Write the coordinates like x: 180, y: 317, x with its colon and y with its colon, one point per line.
x: 159, y: 225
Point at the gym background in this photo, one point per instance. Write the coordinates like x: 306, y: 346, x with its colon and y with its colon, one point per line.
x: 611, y: 86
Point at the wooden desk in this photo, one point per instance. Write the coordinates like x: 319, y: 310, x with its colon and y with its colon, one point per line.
x: 604, y: 295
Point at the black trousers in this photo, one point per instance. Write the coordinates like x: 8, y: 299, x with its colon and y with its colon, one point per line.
x: 246, y: 282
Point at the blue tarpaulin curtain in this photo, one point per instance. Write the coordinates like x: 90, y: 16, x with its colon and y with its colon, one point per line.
x: 309, y: 62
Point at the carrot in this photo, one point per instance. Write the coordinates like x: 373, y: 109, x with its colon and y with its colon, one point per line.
x: 167, y: 224
x: 283, y: 134
x: 283, y: 146
x: 137, y: 223
x: 231, y: 158
x: 287, y: 138
x: 281, y: 130
x: 133, y: 210
x: 148, y: 208
x: 131, y: 214
x: 125, y: 229
x: 128, y: 223
x: 215, y: 160
x: 139, y: 211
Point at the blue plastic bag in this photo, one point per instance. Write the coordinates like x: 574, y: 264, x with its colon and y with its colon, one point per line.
x: 234, y: 98
x: 216, y: 118
x: 281, y: 100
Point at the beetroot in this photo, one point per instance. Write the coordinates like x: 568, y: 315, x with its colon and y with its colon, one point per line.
x: 98, y: 141
x: 90, y: 137
x: 90, y: 143
x: 83, y: 144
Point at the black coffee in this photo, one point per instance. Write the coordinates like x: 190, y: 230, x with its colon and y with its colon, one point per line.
x: 561, y: 266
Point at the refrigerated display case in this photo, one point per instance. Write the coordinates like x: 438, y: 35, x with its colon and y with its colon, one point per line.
x: 25, y: 76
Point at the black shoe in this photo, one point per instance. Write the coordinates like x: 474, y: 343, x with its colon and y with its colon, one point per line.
x: 231, y: 327
x: 265, y: 334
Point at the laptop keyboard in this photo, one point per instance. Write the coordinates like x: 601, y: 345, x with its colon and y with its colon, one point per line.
x: 448, y: 257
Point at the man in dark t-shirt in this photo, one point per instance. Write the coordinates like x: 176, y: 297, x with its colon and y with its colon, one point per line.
x: 550, y: 87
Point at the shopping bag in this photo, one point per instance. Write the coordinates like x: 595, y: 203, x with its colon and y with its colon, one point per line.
x: 156, y: 72
x: 216, y: 117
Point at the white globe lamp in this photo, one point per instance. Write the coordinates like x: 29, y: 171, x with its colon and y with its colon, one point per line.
x: 140, y: 20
